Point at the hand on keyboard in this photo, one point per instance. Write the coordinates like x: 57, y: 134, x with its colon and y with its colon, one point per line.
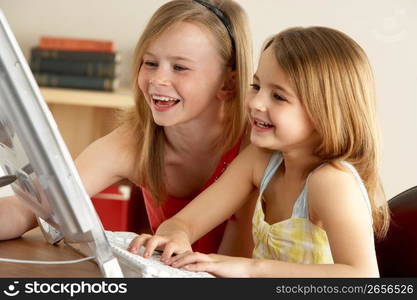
x: 219, y: 265
x: 145, y: 267
x: 175, y: 243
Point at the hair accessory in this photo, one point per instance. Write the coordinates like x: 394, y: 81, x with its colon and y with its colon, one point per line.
x: 223, y: 18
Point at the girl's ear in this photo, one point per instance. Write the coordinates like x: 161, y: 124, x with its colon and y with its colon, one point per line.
x: 228, y: 89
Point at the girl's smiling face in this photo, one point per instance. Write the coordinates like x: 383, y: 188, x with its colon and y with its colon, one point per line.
x: 279, y: 120
x: 181, y: 74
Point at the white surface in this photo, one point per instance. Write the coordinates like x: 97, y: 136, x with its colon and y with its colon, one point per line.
x: 6, y: 190
x: 386, y: 29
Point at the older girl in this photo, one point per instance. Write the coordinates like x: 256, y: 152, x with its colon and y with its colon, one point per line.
x: 192, y: 69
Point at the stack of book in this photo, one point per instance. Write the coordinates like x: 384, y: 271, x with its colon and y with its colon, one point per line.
x: 75, y: 63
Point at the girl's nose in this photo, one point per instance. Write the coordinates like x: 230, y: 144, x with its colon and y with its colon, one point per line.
x: 159, y: 81
x: 161, y: 76
x: 257, y: 103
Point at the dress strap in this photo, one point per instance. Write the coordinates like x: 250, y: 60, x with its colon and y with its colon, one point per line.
x: 274, y: 163
x: 300, y: 209
x: 361, y: 185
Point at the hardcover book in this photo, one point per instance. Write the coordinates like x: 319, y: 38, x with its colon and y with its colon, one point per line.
x: 77, y: 82
x: 80, y: 68
x: 71, y: 44
x: 37, y: 52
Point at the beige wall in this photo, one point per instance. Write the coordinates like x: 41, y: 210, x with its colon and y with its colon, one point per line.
x: 387, y: 29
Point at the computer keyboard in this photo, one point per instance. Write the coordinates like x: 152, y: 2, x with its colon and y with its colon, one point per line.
x: 134, y: 265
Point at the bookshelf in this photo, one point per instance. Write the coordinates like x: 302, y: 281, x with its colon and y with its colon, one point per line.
x: 83, y: 116
x: 120, y: 99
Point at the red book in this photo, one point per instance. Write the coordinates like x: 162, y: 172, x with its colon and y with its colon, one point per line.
x: 70, y: 44
x: 112, y: 206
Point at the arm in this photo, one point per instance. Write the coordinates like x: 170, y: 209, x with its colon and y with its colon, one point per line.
x: 217, y: 203
x: 16, y: 218
x: 237, y: 238
x: 102, y: 163
x: 337, y: 205
x: 106, y: 161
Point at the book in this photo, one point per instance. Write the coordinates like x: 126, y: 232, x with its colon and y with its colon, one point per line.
x: 68, y: 67
x: 37, y: 52
x: 112, y: 206
x: 71, y: 44
x: 77, y: 82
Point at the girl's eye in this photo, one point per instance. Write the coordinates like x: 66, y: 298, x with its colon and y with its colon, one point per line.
x: 150, y: 63
x: 255, y: 86
x: 179, y: 68
x: 279, y: 98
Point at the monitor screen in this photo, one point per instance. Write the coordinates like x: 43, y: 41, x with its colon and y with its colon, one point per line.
x: 34, y: 158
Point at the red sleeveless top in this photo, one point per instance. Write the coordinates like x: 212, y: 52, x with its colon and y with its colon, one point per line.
x: 159, y: 213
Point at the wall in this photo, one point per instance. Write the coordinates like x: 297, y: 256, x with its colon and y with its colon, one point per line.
x: 386, y: 29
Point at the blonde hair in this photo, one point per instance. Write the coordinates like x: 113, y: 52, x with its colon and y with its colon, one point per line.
x: 333, y: 79
x: 150, y: 136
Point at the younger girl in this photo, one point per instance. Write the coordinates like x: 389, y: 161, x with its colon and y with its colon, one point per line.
x: 313, y: 160
x: 192, y: 68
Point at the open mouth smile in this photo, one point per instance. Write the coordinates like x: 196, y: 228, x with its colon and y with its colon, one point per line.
x: 260, y: 125
x: 162, y: 103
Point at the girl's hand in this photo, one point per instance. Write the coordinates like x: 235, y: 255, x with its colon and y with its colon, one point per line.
x: 218, y: 265
x: 173, y: 243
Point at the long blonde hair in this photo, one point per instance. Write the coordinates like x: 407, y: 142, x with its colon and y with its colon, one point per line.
x: 150, y: 136
x: 333, y: 79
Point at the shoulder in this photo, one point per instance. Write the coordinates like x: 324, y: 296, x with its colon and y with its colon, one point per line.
x: 114, y: 152
x: 251, y: 160
x: 120, y: 142
x: 260, y: 162
x: 123, y: 144
x: 331, y: 175
x: 255, y: 154
x: 333, y: 189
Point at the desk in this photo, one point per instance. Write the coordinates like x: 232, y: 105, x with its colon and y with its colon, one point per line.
x: 32, y: 246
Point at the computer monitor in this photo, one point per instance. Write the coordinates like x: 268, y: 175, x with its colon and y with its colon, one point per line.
x: 37, y: 164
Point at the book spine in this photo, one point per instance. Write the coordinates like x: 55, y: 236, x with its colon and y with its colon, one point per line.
x: 77, y: 82
x: 39, y: 53
x: 80, y: 68
x: 70, y: 44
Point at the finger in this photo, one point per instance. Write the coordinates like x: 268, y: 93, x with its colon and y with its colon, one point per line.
x: 151, y: 245
x: 168, y: 251
x: 192, y: 258
x: 138, y: 242
x: 173, y: 259
x: 201, y: 267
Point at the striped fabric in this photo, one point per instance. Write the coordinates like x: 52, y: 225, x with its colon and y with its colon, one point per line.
x: 296, y: 239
